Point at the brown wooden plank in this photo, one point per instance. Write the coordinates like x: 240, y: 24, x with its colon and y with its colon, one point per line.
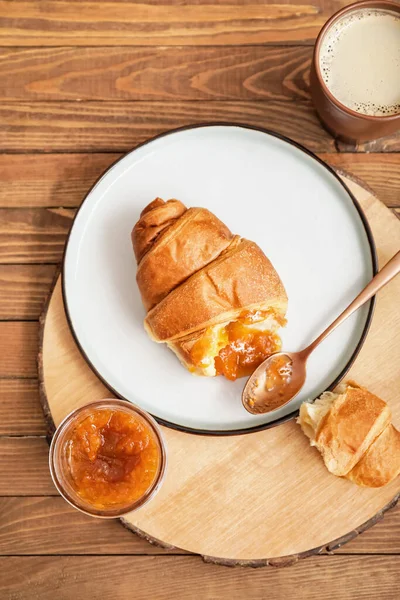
x: 48, y: 180
x: 381, y: 172
x: 24, y: 467
x: 20, y: 409
x: 120, y: 73
x: 33, y: 235
x: 36, y: 526
x: 19, y: 341
x: 188, y: 578
x: 119, y: 126
x: 134, y: 23
x: 24, y: 289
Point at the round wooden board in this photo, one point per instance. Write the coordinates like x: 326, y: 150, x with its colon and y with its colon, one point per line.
x: 261, y: 498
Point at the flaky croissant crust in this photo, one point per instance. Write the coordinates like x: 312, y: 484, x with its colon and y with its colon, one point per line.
x: 353, y: 431
x: 171, y: 243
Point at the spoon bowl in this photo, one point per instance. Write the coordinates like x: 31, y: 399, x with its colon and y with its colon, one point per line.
x: 275, y: 382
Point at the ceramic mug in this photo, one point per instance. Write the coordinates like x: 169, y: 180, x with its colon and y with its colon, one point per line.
x: 343, y: 122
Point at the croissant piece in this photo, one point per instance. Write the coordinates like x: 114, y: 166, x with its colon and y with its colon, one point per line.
x: 381, y: 462
x: 352, y: 430
x: 213, y: 297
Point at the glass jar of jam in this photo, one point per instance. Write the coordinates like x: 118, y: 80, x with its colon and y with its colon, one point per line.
x: 107, y: 458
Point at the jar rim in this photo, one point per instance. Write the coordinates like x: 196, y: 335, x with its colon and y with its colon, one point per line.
x: 55, y: 448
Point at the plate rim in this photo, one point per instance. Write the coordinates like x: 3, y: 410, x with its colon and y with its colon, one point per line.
x: 374, y: 261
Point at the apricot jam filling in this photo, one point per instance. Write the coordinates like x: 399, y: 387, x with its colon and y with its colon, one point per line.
x: 246, y: 350
x: 112, y: 457
x: 239, y: 347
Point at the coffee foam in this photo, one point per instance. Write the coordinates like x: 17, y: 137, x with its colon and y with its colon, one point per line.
x: 360, y: 61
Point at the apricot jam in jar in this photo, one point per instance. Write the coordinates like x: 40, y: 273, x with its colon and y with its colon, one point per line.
x: 107, y: 458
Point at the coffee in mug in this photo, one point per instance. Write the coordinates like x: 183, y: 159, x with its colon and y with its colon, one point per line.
x: 355, y: 71
x: 360, y: 61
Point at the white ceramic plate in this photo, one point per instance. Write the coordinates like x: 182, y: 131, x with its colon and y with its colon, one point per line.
x: 264, y: 188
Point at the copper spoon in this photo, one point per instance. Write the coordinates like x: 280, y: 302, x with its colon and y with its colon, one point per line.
x: 282, y: 375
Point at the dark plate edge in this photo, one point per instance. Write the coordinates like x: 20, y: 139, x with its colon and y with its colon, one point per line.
x: 374, y: 259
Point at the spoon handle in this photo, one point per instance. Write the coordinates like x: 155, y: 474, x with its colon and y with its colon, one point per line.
x: 390, y: 270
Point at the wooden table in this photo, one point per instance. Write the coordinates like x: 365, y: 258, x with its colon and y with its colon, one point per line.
x: 81, y: 83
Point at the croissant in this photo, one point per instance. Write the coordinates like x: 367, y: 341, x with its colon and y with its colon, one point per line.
x: 352, y: 429
x: 213, y: 297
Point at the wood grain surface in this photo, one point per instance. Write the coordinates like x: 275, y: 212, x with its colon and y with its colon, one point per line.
x: 19, y: 342
x: 100, y: 126
x: 80, y: 84
x: 209, y: 73
x: 55, y: 126
x: 34, y: 235
x: 24, y: 467
x: 20, y: 410
x: 163, y: 577
x: 23, y: 290
x: 168, y: 23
